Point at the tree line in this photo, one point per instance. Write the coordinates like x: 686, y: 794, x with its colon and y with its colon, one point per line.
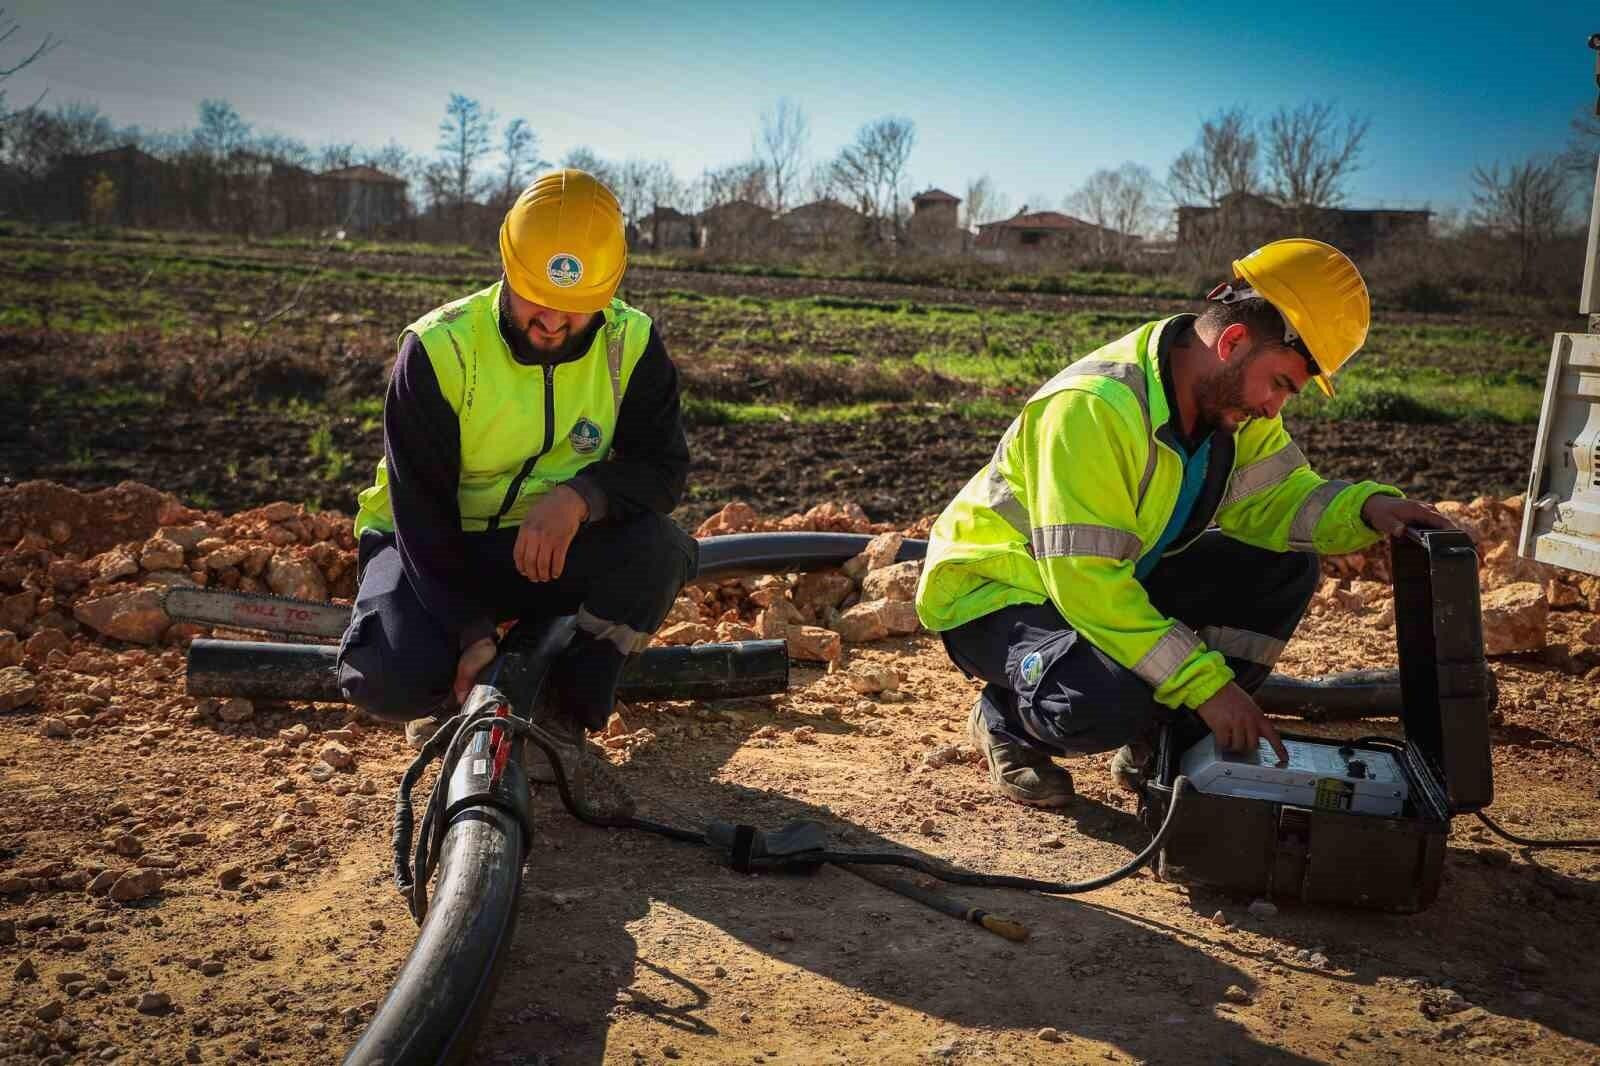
x: 1302, y: 157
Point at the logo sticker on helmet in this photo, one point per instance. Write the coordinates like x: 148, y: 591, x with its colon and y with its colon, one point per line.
x: 1032, y: 668
x: 585, y: 436
x: 565, y: 270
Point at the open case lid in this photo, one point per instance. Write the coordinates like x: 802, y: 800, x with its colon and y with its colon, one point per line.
x: 1444, y: 678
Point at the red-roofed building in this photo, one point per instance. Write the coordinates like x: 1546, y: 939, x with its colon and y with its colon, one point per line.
x: 1046, y: 232
x: 935, y: 224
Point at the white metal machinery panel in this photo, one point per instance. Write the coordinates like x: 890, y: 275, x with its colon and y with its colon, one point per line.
x: 1324, y: 776
x: 1561, y: 511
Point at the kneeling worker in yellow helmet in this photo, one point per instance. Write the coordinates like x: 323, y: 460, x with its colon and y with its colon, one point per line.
x: 1145, y: 539
x: 533, y: 446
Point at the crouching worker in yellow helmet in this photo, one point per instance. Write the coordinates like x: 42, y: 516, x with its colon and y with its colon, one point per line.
x: 1145, y: 539
x: 533, y: 446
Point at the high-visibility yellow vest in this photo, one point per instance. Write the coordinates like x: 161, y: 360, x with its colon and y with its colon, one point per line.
x: 1082, y: 485
x: 524, y: 429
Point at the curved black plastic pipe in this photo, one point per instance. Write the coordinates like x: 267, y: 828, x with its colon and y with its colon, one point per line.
x: 783, y: 553
x: 436, y: 1006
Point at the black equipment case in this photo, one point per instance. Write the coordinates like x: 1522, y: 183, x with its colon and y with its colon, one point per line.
x: 1333, y: 856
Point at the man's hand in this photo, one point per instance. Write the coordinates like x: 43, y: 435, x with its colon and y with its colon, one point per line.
x: 1391, y: 515
x: 1238, y: 723
x: 474, y: 658
x: 547, y: 531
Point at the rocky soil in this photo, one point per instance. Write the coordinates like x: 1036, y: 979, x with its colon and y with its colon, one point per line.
x: 208, y: 881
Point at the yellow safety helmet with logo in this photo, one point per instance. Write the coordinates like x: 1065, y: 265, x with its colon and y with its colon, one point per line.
x: 1319, y: 293
x: 564, y: 244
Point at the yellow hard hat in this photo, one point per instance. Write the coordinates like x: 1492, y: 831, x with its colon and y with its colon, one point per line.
x: 1320, y: 295
x: 563, y: 244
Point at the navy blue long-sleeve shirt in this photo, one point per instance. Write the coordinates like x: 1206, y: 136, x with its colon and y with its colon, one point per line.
x: 646, y: 470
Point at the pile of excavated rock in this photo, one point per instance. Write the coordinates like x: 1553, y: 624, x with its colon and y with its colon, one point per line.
x: 1518, y: 595
x: 88, y: 569
x: 84, y: 568
x: 868, y: 598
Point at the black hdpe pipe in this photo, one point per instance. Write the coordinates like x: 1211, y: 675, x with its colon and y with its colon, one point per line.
x: 272, y: 671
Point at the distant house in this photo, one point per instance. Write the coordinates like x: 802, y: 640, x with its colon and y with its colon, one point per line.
x: 1250, y: 218
x: 666, y: 228
x: 1046, y: 232
x: 737, y: 227
x: 124, y: 186
x: 823, y: 224
x: 935, y: 224
x: 363, y: 198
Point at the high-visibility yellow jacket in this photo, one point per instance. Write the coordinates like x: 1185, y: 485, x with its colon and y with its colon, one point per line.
x: 520, y: 435
x: 1083, y: 484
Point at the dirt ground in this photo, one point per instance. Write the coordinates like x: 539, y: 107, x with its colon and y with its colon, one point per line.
x: 272, y: 929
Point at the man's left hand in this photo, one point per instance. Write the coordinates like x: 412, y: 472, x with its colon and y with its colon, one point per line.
x: 1391, y: 515
x: 547, y: 531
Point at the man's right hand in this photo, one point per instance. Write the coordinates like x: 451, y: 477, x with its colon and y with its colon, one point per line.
x: 1238, y: 723
x: 474, y: 658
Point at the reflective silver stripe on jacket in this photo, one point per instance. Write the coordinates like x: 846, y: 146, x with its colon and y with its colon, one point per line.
x: 1243, y: 644
x: 997, y: 494
x: 1078, y: 539
x: 1163, y: 660
x: 1263, y: 474
x: 996, y: 490
x: 626, y: 639
x: 1302, y: 531
x: 614, y: 335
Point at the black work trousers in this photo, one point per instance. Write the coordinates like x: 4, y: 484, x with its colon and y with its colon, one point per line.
x: 1242, y: 601
x: 397, y: 661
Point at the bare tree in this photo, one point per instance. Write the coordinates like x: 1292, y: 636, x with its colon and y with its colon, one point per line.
x: 746, y: 180
x: 336, y: 156
x: 39, y: 139
x: 520, y: 146
x: 785, y: 133
x: 1120, y: 202
x: 585, y: 158
x: 1526, y: 206
x: 221, y: 132
x: 8, y: 29
x: 1224, y: 159
x: 1583, y: 149
x: 984, y: 203
x: 644, y: 184
x: 872, y: 168
x: 463, y: 142
x: 1310, y: 156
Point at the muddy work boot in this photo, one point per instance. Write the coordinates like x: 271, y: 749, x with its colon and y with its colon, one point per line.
x: 421, y: 730
x: 1018, y: 773
x: 562, y: 733
x: 1133, y: 764
x: 593, y: 784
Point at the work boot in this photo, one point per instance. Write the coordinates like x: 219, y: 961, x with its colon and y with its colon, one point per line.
x: 563, y: 733
x: 1017, y: 772
x: 1132, y: 765
x: 421, y: 730
x: 593, y: 784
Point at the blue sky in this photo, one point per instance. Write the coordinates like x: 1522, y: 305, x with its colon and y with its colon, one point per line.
x: 1037, y: 96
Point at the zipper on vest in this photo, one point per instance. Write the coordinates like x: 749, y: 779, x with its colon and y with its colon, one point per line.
x: 549, y: 442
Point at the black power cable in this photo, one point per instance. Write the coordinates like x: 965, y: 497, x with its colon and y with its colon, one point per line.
x: 1529, y: 842
x: 1494, y: 827
x: 448, y: 743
